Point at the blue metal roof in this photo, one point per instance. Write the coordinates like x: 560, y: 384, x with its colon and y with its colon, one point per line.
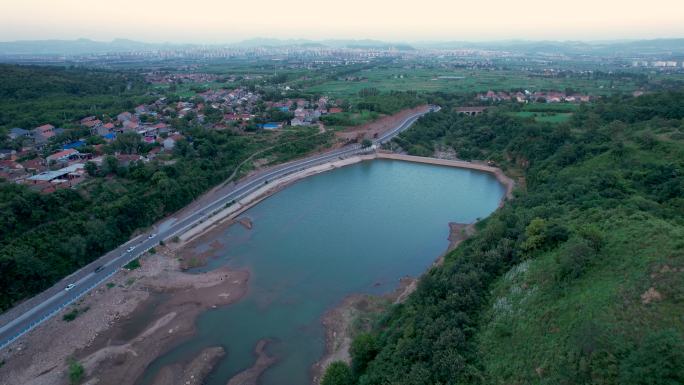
x: 76, y: 144
x: 269, y: 126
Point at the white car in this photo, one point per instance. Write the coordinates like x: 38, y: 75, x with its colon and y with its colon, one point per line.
x: 152, y: 236
x: 70, y: 286
x: 130, y: 249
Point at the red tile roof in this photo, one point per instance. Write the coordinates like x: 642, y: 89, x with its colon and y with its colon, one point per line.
x: 62, y: 154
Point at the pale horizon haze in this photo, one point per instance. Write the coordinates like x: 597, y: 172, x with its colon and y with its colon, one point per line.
x: 214, y: 21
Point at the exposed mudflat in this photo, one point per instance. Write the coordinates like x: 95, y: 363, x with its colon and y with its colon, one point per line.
x: 94, y: 337
x: 359, y: 310
x: 251, y: 376
x: 192, y: 373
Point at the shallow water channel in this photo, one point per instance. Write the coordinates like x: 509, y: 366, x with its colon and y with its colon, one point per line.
x: 357, y: 229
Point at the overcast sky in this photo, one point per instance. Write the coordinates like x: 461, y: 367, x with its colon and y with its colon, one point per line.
x: 216, y: 21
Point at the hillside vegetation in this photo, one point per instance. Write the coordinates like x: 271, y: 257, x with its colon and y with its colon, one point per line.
x: 46, y: 237
x: 578, y: 280
x: 31, y: 96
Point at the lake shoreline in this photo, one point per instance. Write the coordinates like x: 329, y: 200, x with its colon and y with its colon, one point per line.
x: 338, y: 321
x: 226, y: 216
x: 167, y: 279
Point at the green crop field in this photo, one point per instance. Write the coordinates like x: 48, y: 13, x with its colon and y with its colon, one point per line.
x: 549, y: 117
x: 432, y: 80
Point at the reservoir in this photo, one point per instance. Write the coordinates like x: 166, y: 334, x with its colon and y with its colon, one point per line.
x: 357, y: 229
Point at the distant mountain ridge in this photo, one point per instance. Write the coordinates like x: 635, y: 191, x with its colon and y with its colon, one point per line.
x: 76, y: 47
x: 616, y: 48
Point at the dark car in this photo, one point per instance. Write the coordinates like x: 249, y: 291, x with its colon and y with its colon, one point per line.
x: 99, y: 269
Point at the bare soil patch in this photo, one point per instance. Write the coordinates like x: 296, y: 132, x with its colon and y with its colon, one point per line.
x: 378, y: 127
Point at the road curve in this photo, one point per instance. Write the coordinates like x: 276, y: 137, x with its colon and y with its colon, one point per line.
x: 45, y: 305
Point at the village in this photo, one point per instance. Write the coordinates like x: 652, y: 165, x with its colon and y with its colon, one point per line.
x: 47, y: 158
x: 526, y: 96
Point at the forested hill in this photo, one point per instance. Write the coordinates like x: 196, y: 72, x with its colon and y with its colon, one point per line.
x: 31, y: 95
x: 578, y: 280
x: 32, y: 82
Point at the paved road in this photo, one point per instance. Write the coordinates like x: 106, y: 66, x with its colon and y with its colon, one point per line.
x: 45, y: 305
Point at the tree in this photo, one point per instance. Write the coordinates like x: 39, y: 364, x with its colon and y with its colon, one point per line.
x: 535, y: 235
x: 363, y: 349
x: 91, y: 168
x: 128, y: 143
x: 338, y: 373
x: 366, y: 143
x: 110, y: 165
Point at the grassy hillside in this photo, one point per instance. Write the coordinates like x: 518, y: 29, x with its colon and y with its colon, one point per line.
x: 578, y: 280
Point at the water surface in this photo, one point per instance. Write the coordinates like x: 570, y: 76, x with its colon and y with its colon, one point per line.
x: 358, y: 229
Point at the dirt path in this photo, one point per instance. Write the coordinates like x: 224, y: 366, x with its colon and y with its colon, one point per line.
x: 378, y: 127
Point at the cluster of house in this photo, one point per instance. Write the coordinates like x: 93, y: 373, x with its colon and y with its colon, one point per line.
x: 65, y: 167
x: 238, y: 105
x: 172, y: 78
x: 145, y: 121
x: 537, y: 96
x: 37, y: 137
x: 306, y: 112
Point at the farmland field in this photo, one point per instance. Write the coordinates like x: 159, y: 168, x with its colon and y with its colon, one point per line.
x: 549, y: 117
x: 464, y: 80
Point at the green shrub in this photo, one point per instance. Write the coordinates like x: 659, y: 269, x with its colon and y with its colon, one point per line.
x: 657, y: 360
x: 574, y: 259
x: 76, y: 372
x: 132, y: 265
x: 70, y: 316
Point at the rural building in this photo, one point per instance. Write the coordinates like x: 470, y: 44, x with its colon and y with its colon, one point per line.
x: 48, y: 181
x: 43, y: 133
x: 124, y: 116
x: 470, y: 111
x: 63, y: 155
x: 16, y: 133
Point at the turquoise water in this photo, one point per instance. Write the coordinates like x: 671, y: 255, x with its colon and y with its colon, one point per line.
x: 358, y: 229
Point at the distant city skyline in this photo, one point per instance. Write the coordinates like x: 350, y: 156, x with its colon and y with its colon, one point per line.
x: 215, y: 21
